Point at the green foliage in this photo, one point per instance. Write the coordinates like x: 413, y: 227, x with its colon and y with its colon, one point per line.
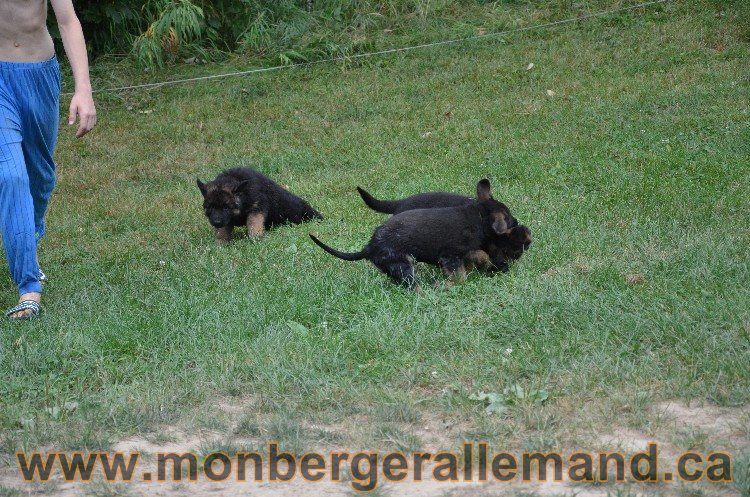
x: 177, y: 26
x: 498, y: 403
x: 159, y: 32
x: 109, y: 26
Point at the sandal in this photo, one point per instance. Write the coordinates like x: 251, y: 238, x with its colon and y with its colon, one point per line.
x: 31, y: 305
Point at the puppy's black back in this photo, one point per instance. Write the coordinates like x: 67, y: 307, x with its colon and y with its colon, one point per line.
x: 430, y: 235
x: 261, y: 193
x: 429, y: 200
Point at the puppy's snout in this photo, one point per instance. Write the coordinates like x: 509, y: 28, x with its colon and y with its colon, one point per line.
x: 527, y: 239
x: 216, y: 222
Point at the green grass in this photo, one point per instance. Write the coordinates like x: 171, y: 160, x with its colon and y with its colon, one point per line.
x: 638, y: 165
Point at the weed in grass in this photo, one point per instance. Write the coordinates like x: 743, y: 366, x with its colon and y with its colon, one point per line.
x: 88, y: 437
x: 503, y: 432
x: 392, y: 437
x: 691, y: 439
x: 629, y: 407
x: 540, y: 441
x: 398, y: 413
x: 328, y: 437
x: 10, y: 442
x: 222, y: 445
x: 212, y: 419
x: 289, y: 434
x: 248, y: 426
x: 162, y: 437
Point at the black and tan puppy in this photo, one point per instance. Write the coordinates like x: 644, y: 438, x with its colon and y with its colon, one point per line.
x: 245, y: 197
x: 441, y: 237
x: 495, y: 256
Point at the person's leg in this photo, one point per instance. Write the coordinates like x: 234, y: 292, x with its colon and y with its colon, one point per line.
x: 17, y: 210
x: 40, y: 121
x: 29, y: 115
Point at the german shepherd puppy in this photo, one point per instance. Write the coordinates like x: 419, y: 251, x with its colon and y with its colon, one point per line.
x: 244, y: 197
x: 495, y: 257
x: 442, y: 237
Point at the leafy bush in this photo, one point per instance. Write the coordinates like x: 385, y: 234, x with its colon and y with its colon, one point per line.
x: 110, y: 26
x: 178, y: 25
x: 158, y: 32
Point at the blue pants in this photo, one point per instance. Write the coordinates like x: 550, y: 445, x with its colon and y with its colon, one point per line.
x: 29, y: 115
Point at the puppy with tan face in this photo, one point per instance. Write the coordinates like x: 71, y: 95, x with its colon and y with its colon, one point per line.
x: 498, y: 255
x: 442, y: 237
x: 245, y: 197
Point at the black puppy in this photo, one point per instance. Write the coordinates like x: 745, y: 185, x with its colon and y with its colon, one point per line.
x: 495, y: 256
x: 245, y: 197
x: 441, y: 237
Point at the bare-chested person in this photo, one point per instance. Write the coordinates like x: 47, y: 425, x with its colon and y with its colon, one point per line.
x: 29, y: 114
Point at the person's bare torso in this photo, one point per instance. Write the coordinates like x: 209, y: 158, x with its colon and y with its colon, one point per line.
x: 23, y: 31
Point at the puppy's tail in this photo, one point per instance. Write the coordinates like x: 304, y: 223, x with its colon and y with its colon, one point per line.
x: 354, y: 256
x: 384, y: 206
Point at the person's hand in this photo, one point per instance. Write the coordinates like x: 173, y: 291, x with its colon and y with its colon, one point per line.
x: 82, y: 105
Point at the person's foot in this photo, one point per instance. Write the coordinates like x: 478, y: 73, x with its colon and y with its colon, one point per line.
x: 28, y: 312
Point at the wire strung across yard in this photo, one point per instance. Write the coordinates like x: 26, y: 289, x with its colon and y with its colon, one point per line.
x: 343, y: 58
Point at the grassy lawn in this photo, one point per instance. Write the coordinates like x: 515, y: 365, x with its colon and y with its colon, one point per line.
x: 626, y: 150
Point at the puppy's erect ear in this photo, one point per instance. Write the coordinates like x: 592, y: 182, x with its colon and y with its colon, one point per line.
x: 240, y: 185
x: 484, y: 191
x: 201, y: 187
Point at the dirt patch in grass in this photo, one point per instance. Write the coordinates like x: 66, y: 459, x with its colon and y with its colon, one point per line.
x: 720, y: 428
x: 675, y: 426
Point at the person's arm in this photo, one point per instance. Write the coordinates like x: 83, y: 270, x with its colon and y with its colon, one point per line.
x: 82, y: 103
